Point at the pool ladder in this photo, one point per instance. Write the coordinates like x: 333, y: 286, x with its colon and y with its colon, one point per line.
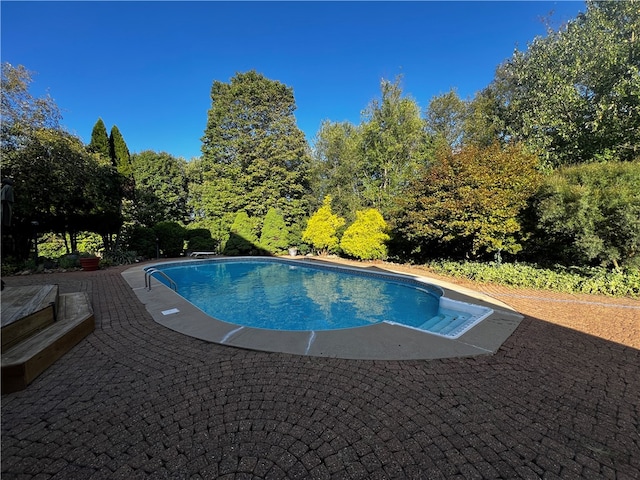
x: 147, y: 279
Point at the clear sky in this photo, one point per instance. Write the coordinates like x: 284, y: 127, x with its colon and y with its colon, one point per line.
x: 148, y: 67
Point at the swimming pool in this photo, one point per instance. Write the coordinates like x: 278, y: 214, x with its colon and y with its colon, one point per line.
x: 292, y: 295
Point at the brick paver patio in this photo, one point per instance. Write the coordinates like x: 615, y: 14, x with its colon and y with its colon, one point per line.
x: 136, y: 400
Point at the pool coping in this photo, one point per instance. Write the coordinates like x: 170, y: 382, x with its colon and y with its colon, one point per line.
x: 381, y: 341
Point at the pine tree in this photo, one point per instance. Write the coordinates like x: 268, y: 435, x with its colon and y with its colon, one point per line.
x: 99, y: 140
x: 119, y: 153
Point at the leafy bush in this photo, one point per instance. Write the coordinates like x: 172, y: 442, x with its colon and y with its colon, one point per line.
x: 202, y: 244
x: 141, y: 240
x: 199, y: 239
x: 468, y: 201
x: 593, y: 280
x: 117, y: 257
x: 171, y: 236
x: 590, y: 214
x: 365, y: 238
x: 51, y: 245
x: 69, y: 261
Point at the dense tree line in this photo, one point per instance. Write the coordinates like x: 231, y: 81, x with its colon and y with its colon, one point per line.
x: 542, y: 164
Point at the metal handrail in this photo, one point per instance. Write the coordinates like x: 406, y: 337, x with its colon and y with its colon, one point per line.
x: 151, y: 271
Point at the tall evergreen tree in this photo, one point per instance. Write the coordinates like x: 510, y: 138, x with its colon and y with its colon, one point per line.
x: 119, y: 153
x: 100, y: 140
x: 254, y: 155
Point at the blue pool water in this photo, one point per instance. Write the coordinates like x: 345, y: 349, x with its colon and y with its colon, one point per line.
x: 279, y: 294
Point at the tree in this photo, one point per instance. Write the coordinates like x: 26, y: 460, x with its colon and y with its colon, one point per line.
x: 58, y: 184
x: 61, y: 186
x: 161, y: 188
x: 591, y: 214
x: 99, y: 140
x: 254, y: 156
x: 482, y: 124
x: 393, y: 145
x: 338, y: 167
x: 322, y: 228
x: 21, y: 112
x: 119, y: 153
x: 171, y: 236
x: 366, y: 237
x: 574, y: 95
x: 243, y: 238
x: 274, y: 237
x: 468, y: 202
x: 445, y: 117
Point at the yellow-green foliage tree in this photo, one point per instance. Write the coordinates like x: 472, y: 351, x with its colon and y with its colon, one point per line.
x: 322, y: 228
x: 366, y: 237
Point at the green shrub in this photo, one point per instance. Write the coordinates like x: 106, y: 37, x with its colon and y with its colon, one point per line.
x: 141, y: 240
x: 366, y: 237
x: 590, y: 214
x: 171, y: 236
x: 242, y: 239
x: 117, y: 257
x: 594, y: 280
x: 51, y: 245
x: 69, y: 261
x: 274, y: 237
x: 199, y: 239
x: 322, y: 228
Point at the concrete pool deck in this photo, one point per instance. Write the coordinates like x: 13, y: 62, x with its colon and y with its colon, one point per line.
x: 134, y: 400
x: 381, y: 341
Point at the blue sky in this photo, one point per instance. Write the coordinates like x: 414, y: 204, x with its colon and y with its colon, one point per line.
x: 148, y: 67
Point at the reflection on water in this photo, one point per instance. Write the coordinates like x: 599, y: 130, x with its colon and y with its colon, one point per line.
x: 367, y: 298
x: 322, y: 289
x: 287, y: 297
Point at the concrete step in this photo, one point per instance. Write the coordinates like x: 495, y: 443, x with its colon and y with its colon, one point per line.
x: 23, y: 362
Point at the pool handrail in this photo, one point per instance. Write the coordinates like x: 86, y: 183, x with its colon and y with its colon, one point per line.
x: 149, y: 273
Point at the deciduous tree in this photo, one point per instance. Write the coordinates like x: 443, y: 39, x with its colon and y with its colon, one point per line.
x: 161, y: 188
x: 254, y: 155
x: 393, y: 145
x: 445, y: 118
x: 338, y: 167
x: 469, y: 201
x: 21, y: 112
x: 574, y: 95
